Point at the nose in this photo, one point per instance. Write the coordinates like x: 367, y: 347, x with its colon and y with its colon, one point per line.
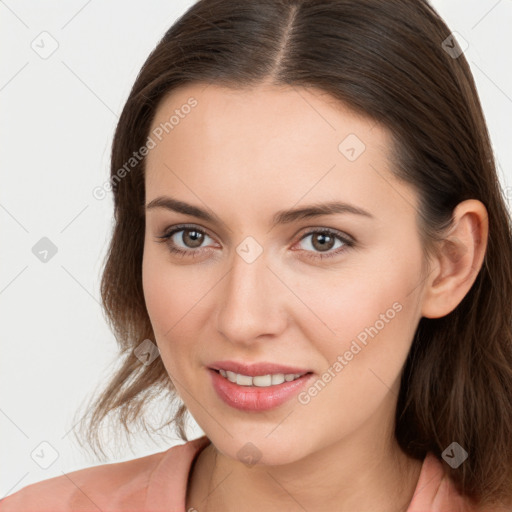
x: 251, y: 303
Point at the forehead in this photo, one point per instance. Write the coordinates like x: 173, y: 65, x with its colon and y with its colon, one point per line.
x: 284, y: 142
x: 280, y: 117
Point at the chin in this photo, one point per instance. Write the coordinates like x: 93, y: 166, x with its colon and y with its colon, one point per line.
x: 261, y: 449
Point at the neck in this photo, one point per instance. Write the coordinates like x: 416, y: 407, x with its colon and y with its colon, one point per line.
x: 363, y: 471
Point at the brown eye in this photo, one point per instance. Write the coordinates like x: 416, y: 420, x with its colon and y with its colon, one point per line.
x: 185, y: 241
x: 322, y: 241
x: 188, y: 241
x: 192, y: 238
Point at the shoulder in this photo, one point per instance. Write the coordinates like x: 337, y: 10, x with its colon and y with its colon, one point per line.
x: 157, y: 481
x: 114, y: 486
x: 436, y: 492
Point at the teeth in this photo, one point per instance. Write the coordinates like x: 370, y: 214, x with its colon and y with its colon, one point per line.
x: 243, y: 380
x: 278, y: 378
x: 262, y: 381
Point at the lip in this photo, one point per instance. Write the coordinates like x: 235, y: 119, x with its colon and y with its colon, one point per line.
x: 263, y: 368
x: 253, y: 398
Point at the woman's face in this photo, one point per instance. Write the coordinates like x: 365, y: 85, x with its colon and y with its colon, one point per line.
x: 335, y: 296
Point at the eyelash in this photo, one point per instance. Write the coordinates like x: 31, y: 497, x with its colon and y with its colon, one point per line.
x: 348, y: 243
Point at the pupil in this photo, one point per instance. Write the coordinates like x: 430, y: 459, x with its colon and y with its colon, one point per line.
x: 323, y: 241
x: 196, y: 237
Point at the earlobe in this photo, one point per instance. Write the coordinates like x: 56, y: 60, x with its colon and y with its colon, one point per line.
x: 459, y: 259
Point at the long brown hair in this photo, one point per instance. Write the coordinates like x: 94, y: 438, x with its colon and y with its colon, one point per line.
x: 395, y: 62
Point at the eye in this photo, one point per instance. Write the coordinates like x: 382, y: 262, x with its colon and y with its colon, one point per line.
x: 323, y: 240
x: 191, y: 239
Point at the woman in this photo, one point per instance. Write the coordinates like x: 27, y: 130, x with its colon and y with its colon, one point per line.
x: 310, y: 229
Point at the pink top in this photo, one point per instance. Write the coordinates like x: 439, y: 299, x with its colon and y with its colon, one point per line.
x: 158, y: 482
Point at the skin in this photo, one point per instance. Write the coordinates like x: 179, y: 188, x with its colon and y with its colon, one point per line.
x: 244, y: 155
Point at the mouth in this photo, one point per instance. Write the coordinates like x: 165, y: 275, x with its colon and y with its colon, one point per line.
x: 256, y: 387
x: 261, y: 381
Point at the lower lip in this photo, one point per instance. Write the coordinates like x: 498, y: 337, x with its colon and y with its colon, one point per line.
x: 254, y: 398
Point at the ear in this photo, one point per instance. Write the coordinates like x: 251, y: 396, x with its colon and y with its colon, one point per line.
x: 461, y: 254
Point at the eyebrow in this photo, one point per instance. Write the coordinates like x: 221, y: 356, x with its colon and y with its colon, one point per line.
x: 281, y: 217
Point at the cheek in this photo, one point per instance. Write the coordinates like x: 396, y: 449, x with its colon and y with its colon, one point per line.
x: 374, y: 328
x: 169, y: 295
x: 374, y: 315
x: 359, y: 304
x: 176, y: 298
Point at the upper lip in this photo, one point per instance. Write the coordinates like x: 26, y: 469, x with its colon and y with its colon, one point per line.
x: 263, y: 368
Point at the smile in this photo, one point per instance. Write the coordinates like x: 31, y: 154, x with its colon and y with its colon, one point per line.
x: 261, y: 381
x: 257, y: 393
